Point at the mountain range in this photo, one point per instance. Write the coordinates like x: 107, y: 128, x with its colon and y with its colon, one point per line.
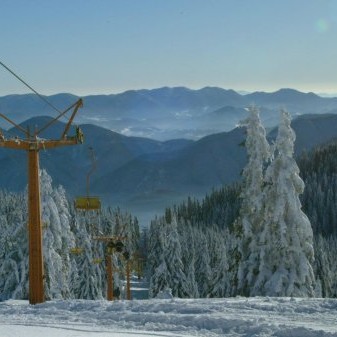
x: 144, y: 175
x: 158, y: 179
x: 170, y: 113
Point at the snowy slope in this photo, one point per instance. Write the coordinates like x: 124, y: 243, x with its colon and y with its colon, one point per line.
x: 286, y: 317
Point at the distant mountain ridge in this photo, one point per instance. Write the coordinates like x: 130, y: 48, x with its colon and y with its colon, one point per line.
x: 170, y: 113
x: 145, y: 175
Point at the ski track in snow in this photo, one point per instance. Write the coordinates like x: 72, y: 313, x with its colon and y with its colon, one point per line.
x: 260, y: 316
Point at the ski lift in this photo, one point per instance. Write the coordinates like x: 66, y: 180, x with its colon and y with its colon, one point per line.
x: 88, y: 203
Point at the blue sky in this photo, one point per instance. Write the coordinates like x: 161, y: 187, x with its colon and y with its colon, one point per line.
x: 109, y: 46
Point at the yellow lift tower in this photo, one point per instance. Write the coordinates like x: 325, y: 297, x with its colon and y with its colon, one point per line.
x: 114, y: 244
x: 32, y: 143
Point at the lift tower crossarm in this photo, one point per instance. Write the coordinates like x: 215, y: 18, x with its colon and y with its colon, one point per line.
x: 19, y: 144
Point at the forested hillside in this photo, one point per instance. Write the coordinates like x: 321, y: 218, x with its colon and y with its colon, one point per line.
x: 74, y: 261
x: 196, y: 243
x: 209, y: 241
x: 143, y: 176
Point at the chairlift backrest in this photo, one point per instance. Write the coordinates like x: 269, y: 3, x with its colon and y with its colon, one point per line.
x: 88, y: 203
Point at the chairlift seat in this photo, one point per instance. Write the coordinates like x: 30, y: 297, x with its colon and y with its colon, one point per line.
x: 88, y: 203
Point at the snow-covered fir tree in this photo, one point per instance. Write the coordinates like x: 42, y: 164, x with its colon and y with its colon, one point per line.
x: 127, y: 228
x: 325, y: 266
x: 286, y: 240
x: 220, y: 283
x: 203, y: 272
x: 250, y: 223
x: 187, y: 238
x: 91, y: 276
x: 177, y: 278
x: 156, y: 265
x: 165, y: 257
x: 57, y: 239
x: 319, y: 171
x: 13, y: 246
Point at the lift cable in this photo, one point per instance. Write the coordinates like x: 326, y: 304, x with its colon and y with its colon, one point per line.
x: 19, y: 127
x: 32, y: 89
x: 56, y: 118
x: 77, y: 105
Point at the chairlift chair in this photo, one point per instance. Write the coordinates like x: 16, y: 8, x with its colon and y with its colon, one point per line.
x: 88, y: 203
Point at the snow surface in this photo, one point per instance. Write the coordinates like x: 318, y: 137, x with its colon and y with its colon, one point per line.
x: 259, y: 316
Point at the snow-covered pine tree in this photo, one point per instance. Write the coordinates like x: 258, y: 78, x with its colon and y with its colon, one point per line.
x: 287, y: 251
x: 127, y: 227
x: 13, y: 246
x: 220, y: 285
x: 319, y: 171
x: 325, y: 266
x: 177, y: 279
x: 156, y: 265
x: 165, y: 261
x: 90, y: 283
x: 203, y: 271
x: 187, y: 240
x: 250, y: 222
x: 154, y: 248
x: 57, y: 238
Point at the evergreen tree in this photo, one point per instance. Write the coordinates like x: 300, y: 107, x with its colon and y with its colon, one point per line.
x: 218, y: 263
x: 319, y: 171
x: 167, y: 267
x: 91, y: 278
x: 187, y: 239
x: 286, y: 240
x: 203, y: 272
x: 57, y: 239
x: 128, y: 228
x: 176, y: 279
x: 249, y: 225
x: 325, y: 266
x: 157, y: 267
x: 13, y: 247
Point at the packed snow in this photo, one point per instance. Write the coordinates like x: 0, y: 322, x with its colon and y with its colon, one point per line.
x: 256, y: 316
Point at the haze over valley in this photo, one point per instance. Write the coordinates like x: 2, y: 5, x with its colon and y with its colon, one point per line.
x: 154, y: 148
x: 170, y: 113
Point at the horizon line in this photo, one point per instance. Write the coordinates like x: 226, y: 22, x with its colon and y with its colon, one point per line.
x: 242, y: 92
